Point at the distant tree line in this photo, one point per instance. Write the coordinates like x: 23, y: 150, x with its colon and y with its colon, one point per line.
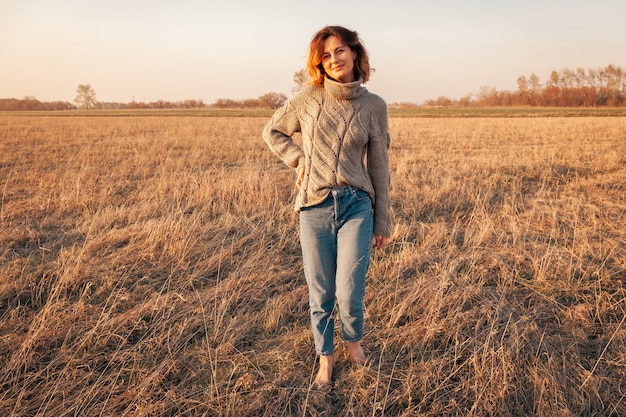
x: 266, y: 101
x: 31, y: 103
x: 602, y: 87
x: 88, y: 102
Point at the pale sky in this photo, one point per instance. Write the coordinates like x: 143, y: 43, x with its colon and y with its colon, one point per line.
x: 148, y: 50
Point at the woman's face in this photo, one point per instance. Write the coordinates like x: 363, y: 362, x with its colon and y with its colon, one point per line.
x: 338, y: 60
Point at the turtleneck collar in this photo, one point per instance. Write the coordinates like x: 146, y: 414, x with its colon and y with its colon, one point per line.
x: 344, y: 91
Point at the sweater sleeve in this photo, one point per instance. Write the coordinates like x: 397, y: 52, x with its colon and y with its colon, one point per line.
x: 378, y: 170
x: 278, y: 134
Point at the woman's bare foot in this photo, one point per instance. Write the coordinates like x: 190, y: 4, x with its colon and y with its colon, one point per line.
x: 325, y: 373
x: 357, y: 356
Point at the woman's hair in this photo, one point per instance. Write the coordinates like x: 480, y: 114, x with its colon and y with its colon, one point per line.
x: 350, y: 38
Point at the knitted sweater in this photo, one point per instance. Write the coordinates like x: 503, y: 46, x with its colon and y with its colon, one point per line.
x: 345, y: 141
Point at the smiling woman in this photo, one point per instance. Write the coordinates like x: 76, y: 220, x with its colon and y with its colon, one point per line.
x: 338, y: 60
x: 342, y: 175
x: 338, y: 53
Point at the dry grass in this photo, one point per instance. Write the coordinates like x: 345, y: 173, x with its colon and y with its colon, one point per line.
x: 149, y: 266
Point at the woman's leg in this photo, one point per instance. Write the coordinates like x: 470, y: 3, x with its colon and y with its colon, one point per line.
x: 354, y: 241
x: 319, y: 253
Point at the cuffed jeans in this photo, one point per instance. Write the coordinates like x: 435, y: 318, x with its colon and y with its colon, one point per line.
x: 336, y: 238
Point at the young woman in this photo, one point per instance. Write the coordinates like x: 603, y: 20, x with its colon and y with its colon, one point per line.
x: 343, y: 184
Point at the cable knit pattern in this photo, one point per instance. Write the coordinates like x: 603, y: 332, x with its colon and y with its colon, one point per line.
x: 345, y: 141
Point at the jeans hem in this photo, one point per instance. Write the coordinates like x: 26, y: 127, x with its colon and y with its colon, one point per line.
x: 356, y: 339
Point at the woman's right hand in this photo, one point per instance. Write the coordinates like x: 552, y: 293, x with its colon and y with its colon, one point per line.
x: 300, y: 177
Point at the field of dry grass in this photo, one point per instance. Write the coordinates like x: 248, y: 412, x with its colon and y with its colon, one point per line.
x: 150, y: 266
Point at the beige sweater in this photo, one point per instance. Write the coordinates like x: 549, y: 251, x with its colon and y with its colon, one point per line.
x: 345, y: 141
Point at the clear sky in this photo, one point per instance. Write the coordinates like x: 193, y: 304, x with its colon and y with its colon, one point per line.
x: 148, y: 50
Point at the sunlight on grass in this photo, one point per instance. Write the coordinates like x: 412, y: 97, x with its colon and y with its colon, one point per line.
x: 151, y: 266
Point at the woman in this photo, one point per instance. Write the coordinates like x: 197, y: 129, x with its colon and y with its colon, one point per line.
x: 343, y: 184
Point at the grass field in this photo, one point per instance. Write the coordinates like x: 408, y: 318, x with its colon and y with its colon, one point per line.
x: 150, y: 266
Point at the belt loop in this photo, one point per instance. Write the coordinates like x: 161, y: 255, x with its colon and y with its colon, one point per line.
x: 335, y: 193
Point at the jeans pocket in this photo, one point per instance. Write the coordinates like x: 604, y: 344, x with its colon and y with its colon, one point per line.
x: 358, y: 194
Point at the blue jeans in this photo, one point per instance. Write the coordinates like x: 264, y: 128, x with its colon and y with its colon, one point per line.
x: 336, y: 238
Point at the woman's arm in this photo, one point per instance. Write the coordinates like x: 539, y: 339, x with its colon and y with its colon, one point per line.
x: 278, y: 134
x: 378, y: 170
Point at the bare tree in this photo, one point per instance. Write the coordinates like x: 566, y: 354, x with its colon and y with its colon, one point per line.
x: 555, y: 80
x: 580, y: 77
x: 487, y: 95
x: 534, y: 83
x: 300, y: 77
x: 522, y: 89
x: 272, y: 100
x: 568, y: 78
x: 85, y: 97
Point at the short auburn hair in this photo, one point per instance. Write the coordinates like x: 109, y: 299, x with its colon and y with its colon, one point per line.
x: 348, y: 37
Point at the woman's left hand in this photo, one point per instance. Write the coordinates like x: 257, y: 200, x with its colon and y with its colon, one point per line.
x: 380, y: 241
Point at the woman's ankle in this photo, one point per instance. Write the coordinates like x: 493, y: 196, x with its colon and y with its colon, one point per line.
x: 357, y: 355
x: 325, y: 372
